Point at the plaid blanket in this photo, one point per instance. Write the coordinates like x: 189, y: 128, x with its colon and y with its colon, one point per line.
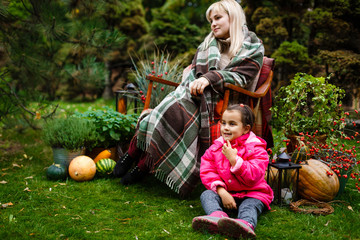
x: 176, y: 133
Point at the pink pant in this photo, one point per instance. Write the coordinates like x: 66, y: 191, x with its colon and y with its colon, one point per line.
x: 138, y: 154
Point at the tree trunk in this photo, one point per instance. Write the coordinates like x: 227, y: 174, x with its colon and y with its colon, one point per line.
x: 107, y: 94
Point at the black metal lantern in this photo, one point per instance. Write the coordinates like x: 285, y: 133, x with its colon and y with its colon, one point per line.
x: 279, y: 177
x: 127, y: 100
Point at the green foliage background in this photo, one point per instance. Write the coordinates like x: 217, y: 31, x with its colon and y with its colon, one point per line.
x: 67, y: 49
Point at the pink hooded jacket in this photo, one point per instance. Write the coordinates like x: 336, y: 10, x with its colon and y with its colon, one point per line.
x: 246, y: 177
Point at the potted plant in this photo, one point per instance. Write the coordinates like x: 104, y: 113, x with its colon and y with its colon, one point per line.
x: 308, y: 112
x: 308, y: 106
x: 68, y: 137
x: 113, y: 129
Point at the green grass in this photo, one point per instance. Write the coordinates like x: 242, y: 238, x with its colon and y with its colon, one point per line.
x: 104, y: 209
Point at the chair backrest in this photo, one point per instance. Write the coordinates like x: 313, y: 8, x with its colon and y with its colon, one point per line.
x: 262, y: 91
x: 267, y: 67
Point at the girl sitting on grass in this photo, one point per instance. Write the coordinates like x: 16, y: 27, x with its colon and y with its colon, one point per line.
x: 233, y: 171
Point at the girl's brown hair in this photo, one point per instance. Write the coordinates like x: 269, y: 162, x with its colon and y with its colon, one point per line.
x: 247, y: 115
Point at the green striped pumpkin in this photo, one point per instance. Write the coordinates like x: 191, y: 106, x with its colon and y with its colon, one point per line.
x: 105, y: 166
x: 300, y: 154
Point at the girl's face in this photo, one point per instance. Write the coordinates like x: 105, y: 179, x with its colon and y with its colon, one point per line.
x: 220, y: 23
x: 232, y: 126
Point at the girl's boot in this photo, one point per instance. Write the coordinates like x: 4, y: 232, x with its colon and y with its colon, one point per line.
x: 236, y: 228
x: 208, y: 223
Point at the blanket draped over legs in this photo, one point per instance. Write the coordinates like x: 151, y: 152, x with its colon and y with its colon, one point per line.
x: 175, y: 135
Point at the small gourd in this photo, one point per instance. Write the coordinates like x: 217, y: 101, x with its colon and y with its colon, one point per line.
x: 315, y: 184
x: 301, y: 153
x: 56, y: 172
x: 102, y: 155
x: 82, y: 168
x: 105, y: 167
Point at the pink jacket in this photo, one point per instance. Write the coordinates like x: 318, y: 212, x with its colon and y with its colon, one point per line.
x: 246, y: 178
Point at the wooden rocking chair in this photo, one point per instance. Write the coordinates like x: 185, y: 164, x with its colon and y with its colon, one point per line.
x: 262, y: 93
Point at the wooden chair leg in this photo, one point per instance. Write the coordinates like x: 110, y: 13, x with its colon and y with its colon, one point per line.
x: 226, y: 100
x: 148, y: 95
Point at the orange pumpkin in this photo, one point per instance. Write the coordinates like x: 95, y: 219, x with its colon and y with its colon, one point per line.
x: 103, y: 154
x: 315, y: 183
x: 82, y: 168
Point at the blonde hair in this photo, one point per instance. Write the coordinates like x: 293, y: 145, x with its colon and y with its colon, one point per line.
x: 237, y: 21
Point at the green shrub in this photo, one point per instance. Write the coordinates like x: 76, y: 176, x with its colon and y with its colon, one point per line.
x: 70, y: 133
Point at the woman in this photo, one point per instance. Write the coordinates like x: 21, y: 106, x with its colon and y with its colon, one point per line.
x: 172, y: 138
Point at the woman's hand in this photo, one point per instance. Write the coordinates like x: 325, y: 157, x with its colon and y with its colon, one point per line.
x: 197, y: 86
x: 228, y: 201
x: 229, y: 152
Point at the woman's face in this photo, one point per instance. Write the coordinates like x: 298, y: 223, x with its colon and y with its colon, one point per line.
x: 220, y: 23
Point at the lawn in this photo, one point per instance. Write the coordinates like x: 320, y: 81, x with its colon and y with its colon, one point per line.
x: 33, y: 207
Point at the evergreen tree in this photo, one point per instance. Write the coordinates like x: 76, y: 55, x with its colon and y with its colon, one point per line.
x: 42, y: 38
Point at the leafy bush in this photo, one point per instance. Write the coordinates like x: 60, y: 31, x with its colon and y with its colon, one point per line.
x: 111, y: 126
x: 308, y: 104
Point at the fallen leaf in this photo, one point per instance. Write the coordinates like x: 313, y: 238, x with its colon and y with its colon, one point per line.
x: 63, y: 207
x: 350, y: 208
x: 191, y: 206
x: 27, y: 189
x: 62, y: 184
x: 326, y: 224
x: 30, y: 177
x: 5, y: 205
x: 124, y: 219
x: 31, y: 234
x: 25, y: 156
x: 16, y: 165
x: 169, y: 210
x: 3, y: 182
x: 3, y: 174
x: 166, y: 231
x: 37, y: 116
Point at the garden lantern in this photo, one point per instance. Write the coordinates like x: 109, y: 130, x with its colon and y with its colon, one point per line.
x: 127, y: 99
x: 279, y: 177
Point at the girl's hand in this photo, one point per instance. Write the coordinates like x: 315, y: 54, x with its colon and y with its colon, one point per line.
x: 197, y: 86
x: 229, y: 152
x: 228, y: 201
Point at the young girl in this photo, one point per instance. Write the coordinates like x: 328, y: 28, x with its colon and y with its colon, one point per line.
x: 233, y: 171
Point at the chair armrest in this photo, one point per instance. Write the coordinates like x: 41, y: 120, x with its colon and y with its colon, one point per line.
x: 153, y: 79
x: 260, y: 92
x: 163, y: 81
